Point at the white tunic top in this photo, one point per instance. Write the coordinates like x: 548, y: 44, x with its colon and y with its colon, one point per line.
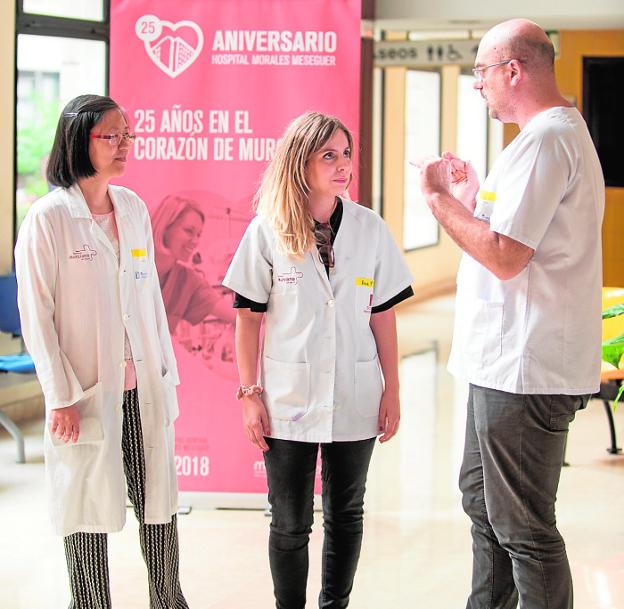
x: 539, y: 332
x: 77, y: 301
x: 319, y: 366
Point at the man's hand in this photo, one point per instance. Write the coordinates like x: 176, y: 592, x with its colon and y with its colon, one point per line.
x: 435, y: 175
x: 450, y: 176
x: 65, y: 423
x: 464, y: 181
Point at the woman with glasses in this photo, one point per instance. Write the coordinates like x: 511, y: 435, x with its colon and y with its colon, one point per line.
x: 324, y: 273
x: 94, y: 322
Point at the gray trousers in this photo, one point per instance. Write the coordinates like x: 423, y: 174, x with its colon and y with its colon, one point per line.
x: 509, y: 477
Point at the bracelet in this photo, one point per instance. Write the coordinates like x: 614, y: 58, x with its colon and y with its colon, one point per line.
x: 247, y: 390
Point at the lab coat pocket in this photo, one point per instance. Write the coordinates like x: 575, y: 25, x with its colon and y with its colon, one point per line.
x: 368, y: 388
x: 170, y: 399
x: 486, y: 342
x: 286, y: 389
x: 90, y: 409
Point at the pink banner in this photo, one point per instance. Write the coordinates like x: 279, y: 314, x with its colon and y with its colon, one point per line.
x: 209, y: 85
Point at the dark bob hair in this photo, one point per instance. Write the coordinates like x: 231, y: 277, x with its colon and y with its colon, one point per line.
x: 69, y: 159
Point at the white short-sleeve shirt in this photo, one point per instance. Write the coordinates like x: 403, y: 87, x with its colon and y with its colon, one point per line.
x: 319, y: 366
x: 539, y: 332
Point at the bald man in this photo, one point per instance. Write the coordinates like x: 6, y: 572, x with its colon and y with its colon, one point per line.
x: 527, y: 329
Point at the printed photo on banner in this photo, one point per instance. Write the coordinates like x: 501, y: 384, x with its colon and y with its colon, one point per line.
x: 199, y: 309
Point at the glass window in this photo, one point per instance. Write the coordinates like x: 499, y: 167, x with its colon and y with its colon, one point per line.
x: 92, y: 10
x: 422, y: 138
x: 50, y: 72
x: 472, y: 126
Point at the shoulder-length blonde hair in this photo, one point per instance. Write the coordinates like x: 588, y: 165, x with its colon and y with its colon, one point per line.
x: 283, y: 194
x: 167, y: 212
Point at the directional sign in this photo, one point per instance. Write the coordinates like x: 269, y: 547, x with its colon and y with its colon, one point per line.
x: 426, y: 53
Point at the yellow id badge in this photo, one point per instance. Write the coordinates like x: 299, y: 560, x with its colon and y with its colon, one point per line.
x: 365, y: 282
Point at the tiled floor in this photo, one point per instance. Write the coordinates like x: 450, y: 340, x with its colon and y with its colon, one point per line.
x: 416, y: 550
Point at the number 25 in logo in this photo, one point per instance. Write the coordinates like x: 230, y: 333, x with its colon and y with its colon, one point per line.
x: 173, y: 47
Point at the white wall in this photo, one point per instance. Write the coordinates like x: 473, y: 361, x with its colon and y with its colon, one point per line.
x: 556, y: 14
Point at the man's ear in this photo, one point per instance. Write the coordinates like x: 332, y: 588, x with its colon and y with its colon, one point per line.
x: 516, y: 71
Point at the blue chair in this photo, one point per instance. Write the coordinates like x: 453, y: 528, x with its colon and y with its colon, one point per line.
x: 9, y: 313
x: 22, y: 362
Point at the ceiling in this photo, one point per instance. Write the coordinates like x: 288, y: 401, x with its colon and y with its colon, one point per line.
x: 437, y: 15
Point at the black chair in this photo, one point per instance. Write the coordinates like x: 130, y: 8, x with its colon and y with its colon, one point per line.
x: 608, y: 391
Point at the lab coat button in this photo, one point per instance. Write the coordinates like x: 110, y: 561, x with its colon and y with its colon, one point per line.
x: 330, y: 303
x: 126, y: 317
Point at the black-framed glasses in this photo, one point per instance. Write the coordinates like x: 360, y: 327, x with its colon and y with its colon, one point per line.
x: 323, y: 234
x: 478, y: 72
x: 115, y: 139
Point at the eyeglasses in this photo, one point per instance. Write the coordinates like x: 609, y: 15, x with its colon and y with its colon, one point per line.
x: 478, y: 72
x: 323, y: 235
x: 115, y: 139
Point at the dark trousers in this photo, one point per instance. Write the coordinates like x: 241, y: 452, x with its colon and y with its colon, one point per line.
x: 290, y: 472
x: 86, y: 553
x: 509, y: 477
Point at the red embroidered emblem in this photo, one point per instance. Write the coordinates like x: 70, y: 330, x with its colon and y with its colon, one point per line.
x: 86, y: 253
x: 292, y: 277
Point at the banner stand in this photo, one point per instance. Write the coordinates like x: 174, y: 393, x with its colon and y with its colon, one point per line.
x: 231, y: 501
x: 208, y: 87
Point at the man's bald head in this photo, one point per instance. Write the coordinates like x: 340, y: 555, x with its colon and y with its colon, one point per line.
x: 520, y: 39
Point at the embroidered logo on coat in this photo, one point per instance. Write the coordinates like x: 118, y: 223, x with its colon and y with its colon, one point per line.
x: 86, y: 253
x: 292, y: 277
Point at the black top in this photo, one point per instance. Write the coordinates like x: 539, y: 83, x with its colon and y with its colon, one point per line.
x: 240, y: 302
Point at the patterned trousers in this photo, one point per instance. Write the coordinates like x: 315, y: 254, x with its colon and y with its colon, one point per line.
x: 87, y: 558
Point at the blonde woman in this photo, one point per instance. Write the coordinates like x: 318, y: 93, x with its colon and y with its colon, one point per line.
x: 178, y: 224
x: 324, y: 273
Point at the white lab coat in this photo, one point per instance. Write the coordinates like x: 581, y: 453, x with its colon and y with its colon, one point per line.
x: 539, y: 332
x: 319, y: 367
x: 76, y: 302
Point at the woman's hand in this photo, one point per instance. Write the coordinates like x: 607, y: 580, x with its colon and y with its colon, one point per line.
x: 383, y: 325
x: 65, y: 423
x: 256, y: 421
x: 389, y: 415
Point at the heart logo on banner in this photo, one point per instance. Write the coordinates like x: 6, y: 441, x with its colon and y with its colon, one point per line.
x: 166, y: 47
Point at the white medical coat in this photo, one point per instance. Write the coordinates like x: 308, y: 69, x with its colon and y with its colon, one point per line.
x: 76, y: 302
x: 319, y: 367
x: 539, y: 332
